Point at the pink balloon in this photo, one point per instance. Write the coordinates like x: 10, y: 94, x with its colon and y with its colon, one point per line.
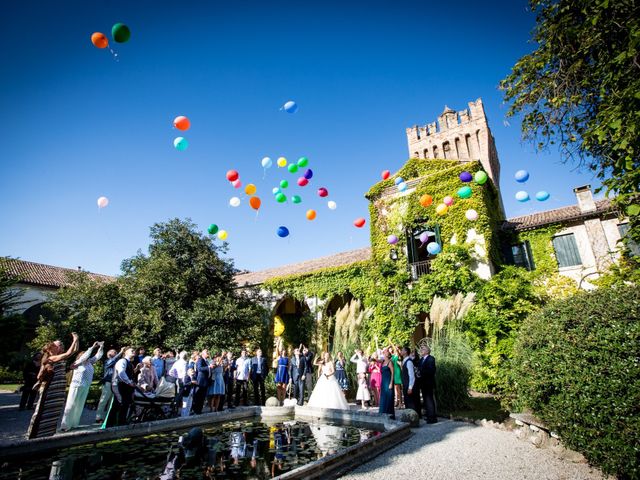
x: 323, y: 192
x: 236, y: 183
x: 302, y: 181
x: 103, y: 202
x: 448, y: 200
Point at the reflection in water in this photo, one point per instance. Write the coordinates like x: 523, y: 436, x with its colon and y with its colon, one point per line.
x: 247, y: 450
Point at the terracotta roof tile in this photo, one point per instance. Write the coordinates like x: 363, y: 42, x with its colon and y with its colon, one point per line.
x: 558, y: 215
x: 337, y: 260
x: 44, y: 275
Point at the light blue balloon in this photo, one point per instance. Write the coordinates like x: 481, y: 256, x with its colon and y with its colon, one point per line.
x: 521, y: 176
x: 290, y: 107
x: 180, y: 143
x: 266, y: 162
x: 542, y: 196
x: 522, y: 196
x: 398, y: 180
x: 402, y: 186
x: 434, y: 248
x: 276, y: 190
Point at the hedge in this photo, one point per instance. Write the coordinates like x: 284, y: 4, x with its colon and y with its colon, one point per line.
x: 577, y: 367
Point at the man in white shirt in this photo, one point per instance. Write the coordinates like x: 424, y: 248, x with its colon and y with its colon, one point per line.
x: 243, y: 366
x: 123, y: 385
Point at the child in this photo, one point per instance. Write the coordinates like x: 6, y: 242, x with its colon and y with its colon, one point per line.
x: 187, y: 392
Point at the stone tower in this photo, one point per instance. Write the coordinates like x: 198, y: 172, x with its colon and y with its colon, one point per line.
x: 463, y: 135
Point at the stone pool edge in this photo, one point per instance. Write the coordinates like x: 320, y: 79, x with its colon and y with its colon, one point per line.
x: 71, y: 439
x: 333, y: 466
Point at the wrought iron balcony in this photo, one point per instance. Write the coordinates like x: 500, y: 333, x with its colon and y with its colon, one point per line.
x: 417, y: 269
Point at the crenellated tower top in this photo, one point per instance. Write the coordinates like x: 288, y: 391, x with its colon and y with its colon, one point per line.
x: 462, y: 135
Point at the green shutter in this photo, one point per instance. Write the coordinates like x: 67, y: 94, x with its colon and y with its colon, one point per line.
x: 566, y: 249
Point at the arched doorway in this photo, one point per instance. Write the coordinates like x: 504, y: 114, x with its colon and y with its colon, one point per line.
x: 297, y: 320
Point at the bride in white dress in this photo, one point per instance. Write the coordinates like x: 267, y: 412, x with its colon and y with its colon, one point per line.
x: 327, y: 392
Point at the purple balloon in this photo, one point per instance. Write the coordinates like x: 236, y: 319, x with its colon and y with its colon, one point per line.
x: 466, y: 177
x: 308, y: 174
x: 424, y: 236
x: 392, y: 239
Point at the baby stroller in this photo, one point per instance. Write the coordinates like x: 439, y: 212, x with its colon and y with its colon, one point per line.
x: 158, y: 405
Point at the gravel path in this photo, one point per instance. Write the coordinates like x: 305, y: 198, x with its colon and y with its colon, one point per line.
x: 457, y: 450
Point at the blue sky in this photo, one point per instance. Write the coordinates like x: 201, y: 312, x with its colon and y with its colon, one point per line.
x: 77, y: 124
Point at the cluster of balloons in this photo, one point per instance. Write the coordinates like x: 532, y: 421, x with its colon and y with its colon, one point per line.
x: 250, y: 189
x: 521, y: 176
x: 213, y: 230
x: 119, y: 32
x: 426, y: 200
x: 183, y: 124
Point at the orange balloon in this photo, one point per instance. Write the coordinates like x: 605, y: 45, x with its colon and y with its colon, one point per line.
x: 426, y: 200
x: 311, y: 214
x: 182, y: 123
x: 255, y: 202
x: 99, y: 40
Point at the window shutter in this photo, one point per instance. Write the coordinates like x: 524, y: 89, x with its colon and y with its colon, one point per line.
x: 634, y: 248
x: 566, y: 250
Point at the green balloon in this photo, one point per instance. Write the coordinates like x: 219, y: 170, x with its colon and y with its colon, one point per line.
x: 293, y: 168
x: 465, y: 192
x: 213, y: 229
x: 284, y: 184
x: 303, y: 162
x: 296, y: 199
x: 281, y: 197
x: 120, y: 32
x: 480, y: 177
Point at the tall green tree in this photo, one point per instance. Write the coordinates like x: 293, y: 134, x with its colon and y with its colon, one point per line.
x: 580, y: 89
x: 180, y: 294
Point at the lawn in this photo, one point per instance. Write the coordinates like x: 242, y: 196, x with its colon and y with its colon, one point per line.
x: 10, y: 387
x: 480, y: 408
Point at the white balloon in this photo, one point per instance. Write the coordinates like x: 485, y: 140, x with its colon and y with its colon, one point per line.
x: 234, y: 201
x: 471, y: 215
x: 266, y: 162
x: 103, y: 202
x: 332, y: 205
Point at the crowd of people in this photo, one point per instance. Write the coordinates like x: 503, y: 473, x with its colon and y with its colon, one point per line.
x: 390, y: 378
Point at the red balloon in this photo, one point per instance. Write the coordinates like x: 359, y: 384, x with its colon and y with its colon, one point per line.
x: 323, y: 192
x: 386, y: 174
x: 232, y: 175
x: 302, y: 181
x: 182, y: 123
x: 359, y: 222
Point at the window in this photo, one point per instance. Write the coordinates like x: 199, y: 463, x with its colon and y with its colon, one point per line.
x: 634, y: 248
x: 419, y: 257
x: 566, y: 249
x: 520, y: 255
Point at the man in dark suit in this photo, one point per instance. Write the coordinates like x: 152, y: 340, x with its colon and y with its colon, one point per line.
x: 428, y: 383
x: 297, y: 374
x: 309, y: 356
x: 229, y: 378
x: 203, y: 374
x: 258, y: 374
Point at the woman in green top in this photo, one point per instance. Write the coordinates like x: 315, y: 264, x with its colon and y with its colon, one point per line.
x: 397, y: 374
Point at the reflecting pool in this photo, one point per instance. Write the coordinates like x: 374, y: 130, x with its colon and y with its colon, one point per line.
x: 241, y: 450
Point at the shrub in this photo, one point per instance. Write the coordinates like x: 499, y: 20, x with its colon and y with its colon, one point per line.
x: 9, y: 376
x: 577, y: 366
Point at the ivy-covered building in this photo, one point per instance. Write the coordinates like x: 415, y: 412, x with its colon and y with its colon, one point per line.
x: 445, y: 198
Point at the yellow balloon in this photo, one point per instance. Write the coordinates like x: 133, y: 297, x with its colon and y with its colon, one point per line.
x: 282, y: 162
x: 441, y: 209
x: 222, y: 234
x: 278, y: 326
x: 250, y: 189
